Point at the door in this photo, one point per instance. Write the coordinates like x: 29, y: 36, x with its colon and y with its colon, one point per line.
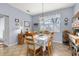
x: 2, y: 28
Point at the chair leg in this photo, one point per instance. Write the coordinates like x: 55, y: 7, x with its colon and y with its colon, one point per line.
x: 77, y: 53
x: 27, y: 52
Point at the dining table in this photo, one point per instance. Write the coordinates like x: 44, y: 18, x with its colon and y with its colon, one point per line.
x: 42, y: 40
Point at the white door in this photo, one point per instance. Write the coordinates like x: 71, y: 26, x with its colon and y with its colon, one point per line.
x: 2, y: 28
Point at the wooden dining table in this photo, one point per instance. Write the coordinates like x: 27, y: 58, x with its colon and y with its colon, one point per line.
x: 42, y: 40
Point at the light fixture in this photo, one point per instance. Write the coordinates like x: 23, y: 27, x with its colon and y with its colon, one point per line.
x: 28, y: 10
x: 42, y: 11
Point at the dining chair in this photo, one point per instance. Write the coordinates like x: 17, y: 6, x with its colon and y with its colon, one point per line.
x: 49, y: 47
x: 20, y: 39
x: 32, y: 47
x: 46, y: 32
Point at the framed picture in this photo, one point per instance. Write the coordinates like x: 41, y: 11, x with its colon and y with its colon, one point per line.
x: 26, y: 24
x: 35, y: 24
x: 16, y: 20
x: 66, y: 21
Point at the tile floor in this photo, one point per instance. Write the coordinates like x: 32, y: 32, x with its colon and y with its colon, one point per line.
x: 59, y: 50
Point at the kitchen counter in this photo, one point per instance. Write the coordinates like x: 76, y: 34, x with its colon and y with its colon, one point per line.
x: 74, y: 39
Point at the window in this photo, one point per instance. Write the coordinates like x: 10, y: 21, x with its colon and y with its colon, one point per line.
x: 50, y: 23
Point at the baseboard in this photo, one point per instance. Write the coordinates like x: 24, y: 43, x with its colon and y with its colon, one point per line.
x: 57, y: 41
x: 5, y: 43
x: 12, y: 44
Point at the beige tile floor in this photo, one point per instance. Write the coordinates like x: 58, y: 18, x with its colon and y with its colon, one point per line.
x: 58, y: 50
x: 61, y: 50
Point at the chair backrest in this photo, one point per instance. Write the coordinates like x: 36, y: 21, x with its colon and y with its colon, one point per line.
x: 46, y: 32
x: 30, y: 40
x: 31, y: 44
x: 50, y: 46
x: 52, y: 34
x: 29, y: 36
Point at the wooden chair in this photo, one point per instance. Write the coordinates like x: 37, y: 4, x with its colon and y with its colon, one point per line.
x: 49, y: 47
x: 66, y: 37
x: 20, y: 39
x: 32, y: 47
x: 46, y: 32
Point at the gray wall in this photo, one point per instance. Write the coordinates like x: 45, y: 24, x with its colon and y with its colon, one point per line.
x: 13, y: 13
x: 65, y: 13
x: 76, y: 7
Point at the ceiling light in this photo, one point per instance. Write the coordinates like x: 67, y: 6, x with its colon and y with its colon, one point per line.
x: 27, y: 10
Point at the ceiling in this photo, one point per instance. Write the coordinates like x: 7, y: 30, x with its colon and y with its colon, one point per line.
x: 36, y: 8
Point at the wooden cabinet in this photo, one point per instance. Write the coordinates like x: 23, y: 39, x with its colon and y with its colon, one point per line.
x: 74, y: 44
x: 20, y: 39
x: 65, y: 37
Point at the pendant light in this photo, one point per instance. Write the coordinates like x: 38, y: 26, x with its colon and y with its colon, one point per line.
x: 42, y: 11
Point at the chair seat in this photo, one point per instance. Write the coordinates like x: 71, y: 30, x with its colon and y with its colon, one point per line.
x: 28, y: 37
x: 37, y: 51
x: 36, y: 46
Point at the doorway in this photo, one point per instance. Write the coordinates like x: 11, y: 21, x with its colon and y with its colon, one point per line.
x: 4, y: 30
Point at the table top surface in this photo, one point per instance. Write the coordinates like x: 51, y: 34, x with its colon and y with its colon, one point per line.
x: 74, y: 36
x: 41, y: 37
